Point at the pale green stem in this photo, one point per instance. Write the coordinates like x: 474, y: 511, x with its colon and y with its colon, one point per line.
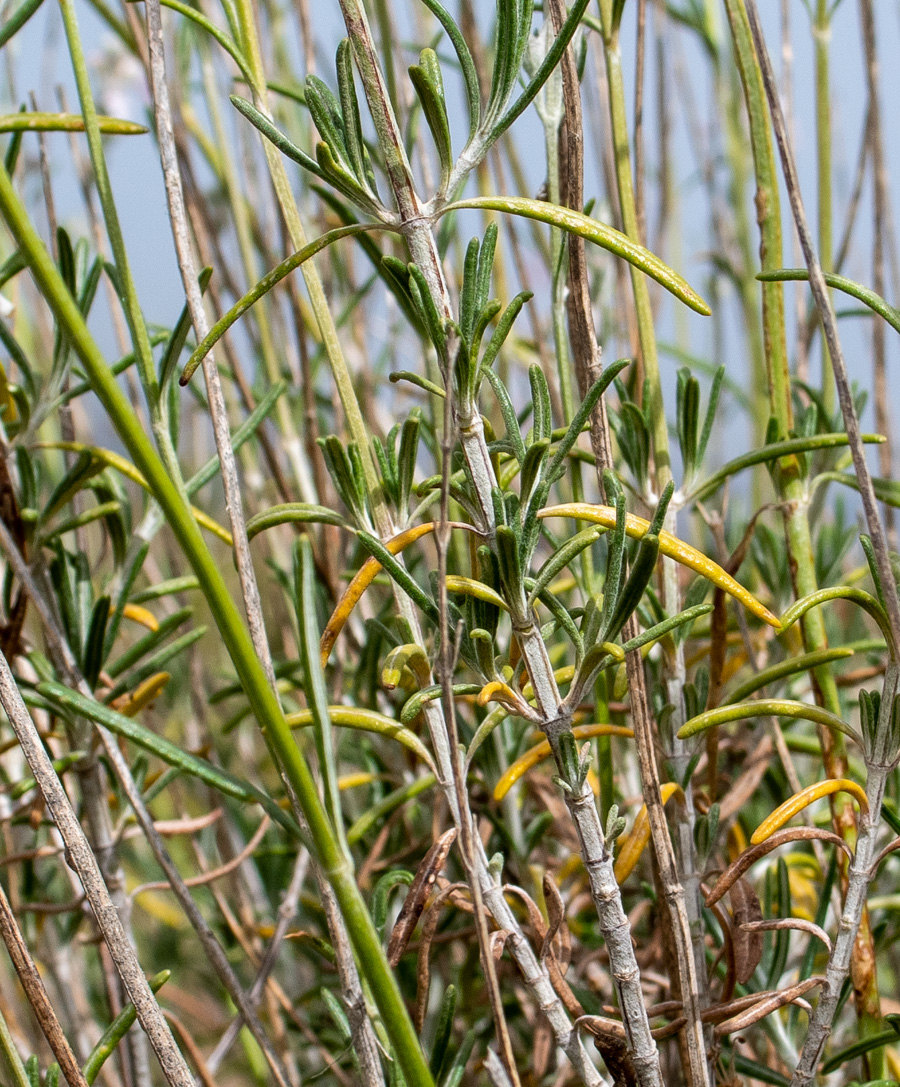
x: 343, y: 379
x: 235, y: 636
x: 694, y: 988
x: 822, y: 39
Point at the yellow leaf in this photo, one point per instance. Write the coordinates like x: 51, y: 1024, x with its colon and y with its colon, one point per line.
x: 541, y: 751
x: 803, y: 799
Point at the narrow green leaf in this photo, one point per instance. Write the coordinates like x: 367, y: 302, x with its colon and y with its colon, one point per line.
x: 66, y: 122
x: 774, y: 451
x: 117, y: 1030
x: 510, y: 419
x: 556, y: 468
x: 294, y: 513
x: 540, y: 399
x: 466, y: 63
x: 169, y: 752
x: 429, y: 86
x: 790, y: 667
x: 842, y: 592
x: 390, y: 803
x: 886, y: 490
x: 840, y: 283
x: 585, y: 227
x: 355, y: 145
x: 274, y: 135
x: 148, y: 643
x: 18, y: 19
x: 563, y: 557
x: 399, y: 573
x: 766, y: 707
x: 288, y: 265
x: 860, y: 1048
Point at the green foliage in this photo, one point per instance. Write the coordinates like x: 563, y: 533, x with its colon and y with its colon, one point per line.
x: 411, y: 457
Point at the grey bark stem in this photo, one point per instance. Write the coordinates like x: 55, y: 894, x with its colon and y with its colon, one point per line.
x: 80, y: 855
x: 860, y: 868
x: 361, y: 1027
x: 65, y: 660
x: 37, y: 995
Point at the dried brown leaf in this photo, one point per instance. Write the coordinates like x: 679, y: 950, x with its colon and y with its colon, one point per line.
x: 747, y: 942
x: 418, y: 894
x: 756, y: 852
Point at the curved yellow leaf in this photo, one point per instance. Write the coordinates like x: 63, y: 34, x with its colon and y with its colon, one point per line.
x: 671, y: 546
x: 409, y: 656
x: 803, y: 799
x: 137, y: 614
x: 495, y: 691
x: 364, y: 577
x: 366, y: 721
x: 541, y: 751
x: 131, y: 704
x: 470, y: 587
x: 636, y: 842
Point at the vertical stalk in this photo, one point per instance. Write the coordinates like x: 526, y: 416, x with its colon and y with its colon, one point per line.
x: 853, y: 916
x: 822, y: 39
x: 234, y: 634
x: 881, y: 212
x: 343, y: 379
x: 82, y: 859
x: 792, y: 487
x: 682, y: 888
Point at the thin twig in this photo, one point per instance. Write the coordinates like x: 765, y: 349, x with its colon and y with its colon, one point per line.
x: 860, y: 874
x: 286, y: 912
x: 65, y: 659
x: 81, y: 857
x: 829, y: 323
x: 880, y: 395
x: 37, y: 995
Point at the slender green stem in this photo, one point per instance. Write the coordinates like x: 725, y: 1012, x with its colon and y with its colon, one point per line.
x: 11, y: 1057
x: 791, y: 485
x: 234, y: 634
x: 822, y: 39
x: 343, y: 379
x: 683, y: 889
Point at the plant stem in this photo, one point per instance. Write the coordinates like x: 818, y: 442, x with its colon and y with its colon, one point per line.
x: 791, y: 486
x: 880, y: 392
x: 681, y: 888
x: 235, y: 636
x: 37, y: 994
x: 331, y: 341
x: 822, y: 39
x: 854, y: 909
x: 84, y: 862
